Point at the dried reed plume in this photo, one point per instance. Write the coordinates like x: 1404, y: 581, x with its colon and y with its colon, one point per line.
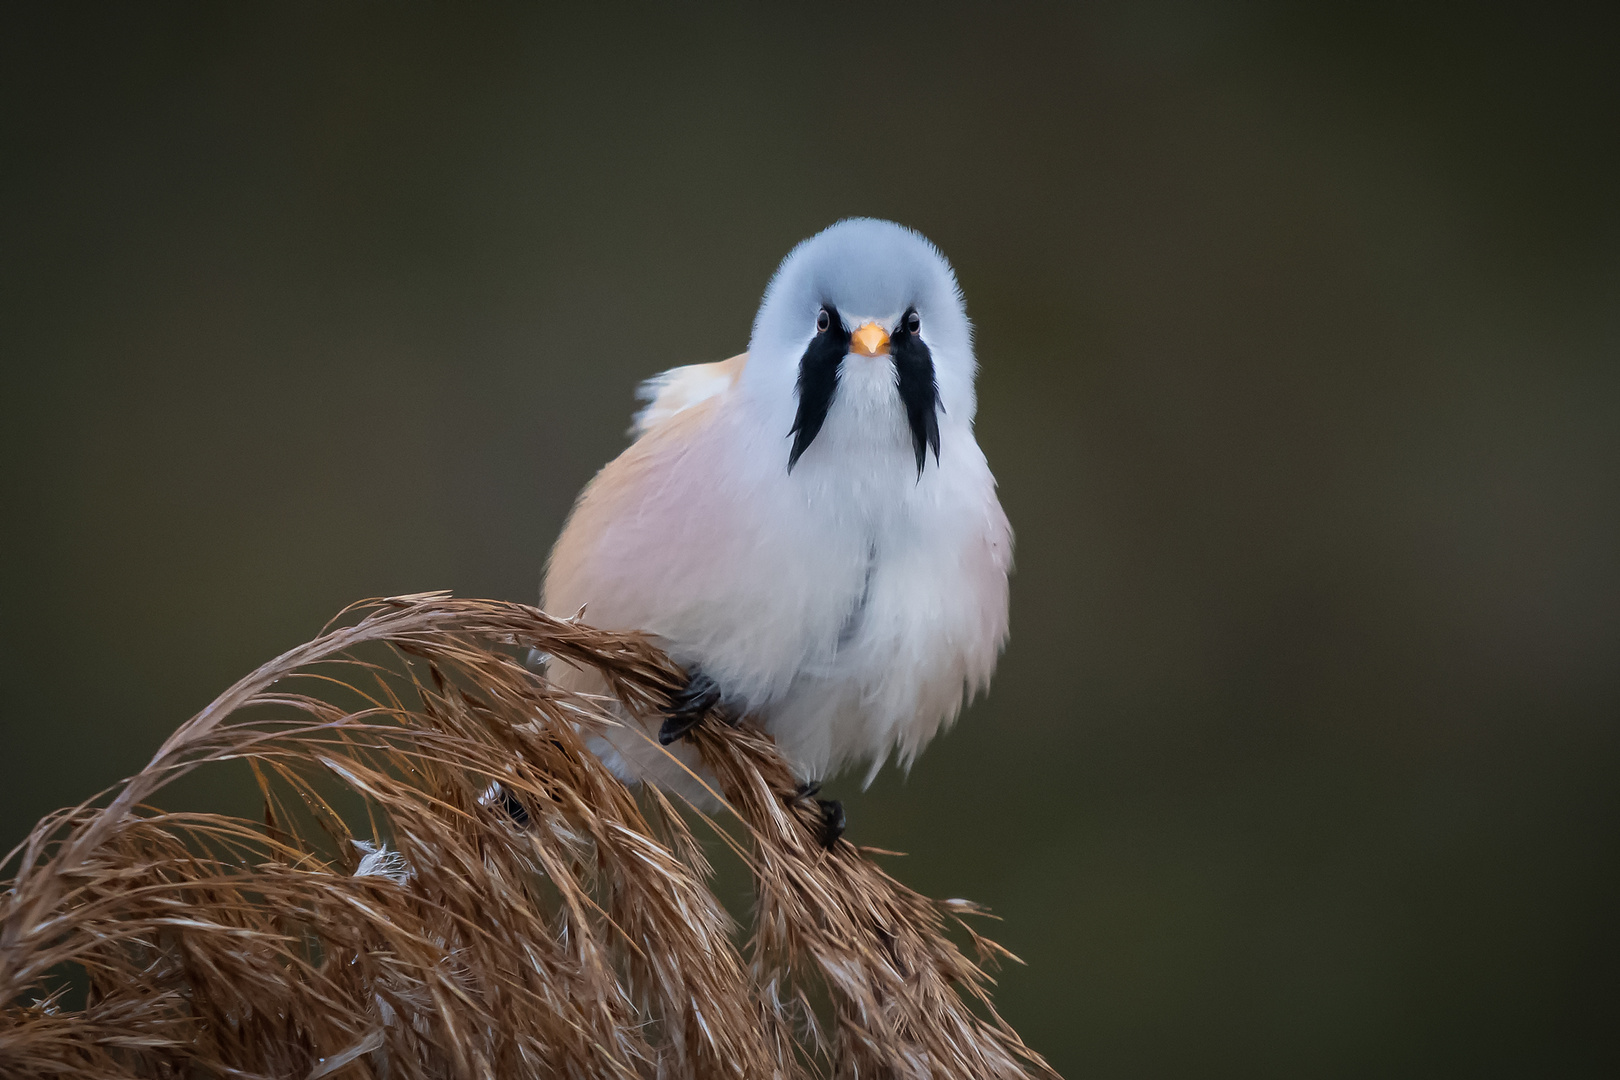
x: 511, y: 909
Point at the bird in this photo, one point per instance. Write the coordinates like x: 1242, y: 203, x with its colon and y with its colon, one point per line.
x: 809, y: 528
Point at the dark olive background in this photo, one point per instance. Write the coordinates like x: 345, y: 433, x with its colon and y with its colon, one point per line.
x: 1299, y: 331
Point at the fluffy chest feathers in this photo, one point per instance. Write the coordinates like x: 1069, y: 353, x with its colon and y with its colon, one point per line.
x: 809, y: 526
x: 818, y: 599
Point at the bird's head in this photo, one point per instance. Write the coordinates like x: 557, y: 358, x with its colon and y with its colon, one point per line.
x: 863, y: 319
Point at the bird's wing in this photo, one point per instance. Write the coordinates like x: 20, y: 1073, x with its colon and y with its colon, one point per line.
x: 681, y: 388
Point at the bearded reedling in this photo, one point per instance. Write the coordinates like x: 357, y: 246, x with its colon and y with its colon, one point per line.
x: 809, y: 528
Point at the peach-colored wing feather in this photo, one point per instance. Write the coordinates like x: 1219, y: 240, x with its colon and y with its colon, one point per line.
x: 681, y: 388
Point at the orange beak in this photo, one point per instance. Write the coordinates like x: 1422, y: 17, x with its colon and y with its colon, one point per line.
x: 870, y: 340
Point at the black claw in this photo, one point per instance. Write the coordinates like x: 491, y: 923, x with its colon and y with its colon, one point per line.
x: 688, y: 707
x: 500, y: 798
x: 514, y: 809
x: 831, y: 811
x: 832, y: 821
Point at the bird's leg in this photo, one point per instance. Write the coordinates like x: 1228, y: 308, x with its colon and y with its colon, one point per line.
x: 697, y: 697
x: 832, y: 814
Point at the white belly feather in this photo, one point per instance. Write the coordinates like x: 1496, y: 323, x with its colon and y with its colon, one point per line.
x: 850, y: 606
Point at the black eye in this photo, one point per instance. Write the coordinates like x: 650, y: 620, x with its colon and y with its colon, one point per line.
x: 913, y: 322
x: 823, y: 320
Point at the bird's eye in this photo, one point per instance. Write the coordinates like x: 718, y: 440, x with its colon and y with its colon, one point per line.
x: 913, y: 322
x: 823, y: 321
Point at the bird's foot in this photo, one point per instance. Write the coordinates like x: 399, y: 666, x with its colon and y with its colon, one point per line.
x: 516, y: 811
x: 832, y: 822
x: 831, y: 811
x: 688, y: 707
x: 500, y: 797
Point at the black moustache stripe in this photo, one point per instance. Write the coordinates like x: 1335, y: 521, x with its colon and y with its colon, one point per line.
x: 818, y: 382
x: 914, y: 375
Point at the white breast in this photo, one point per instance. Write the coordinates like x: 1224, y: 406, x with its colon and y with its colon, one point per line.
x: 849, y: 605
x: 930, y: 614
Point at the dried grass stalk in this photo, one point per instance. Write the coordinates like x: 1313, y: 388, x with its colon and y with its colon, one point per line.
x: 512, y: 910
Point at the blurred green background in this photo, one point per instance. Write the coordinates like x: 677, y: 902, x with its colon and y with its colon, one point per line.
x: 1300, y: 334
